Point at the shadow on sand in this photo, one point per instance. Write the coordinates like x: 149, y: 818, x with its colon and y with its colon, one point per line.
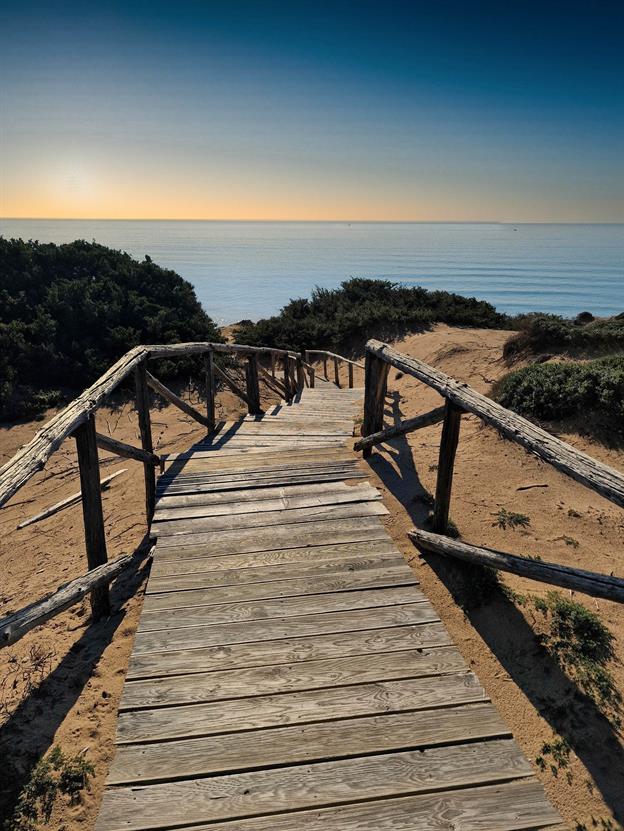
x: 27, y: 735
x: 567, y: 709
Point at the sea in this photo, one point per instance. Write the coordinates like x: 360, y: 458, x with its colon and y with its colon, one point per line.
x: 249, y: 270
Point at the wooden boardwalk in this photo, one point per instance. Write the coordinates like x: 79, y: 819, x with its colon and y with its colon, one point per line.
x: 288, y: 673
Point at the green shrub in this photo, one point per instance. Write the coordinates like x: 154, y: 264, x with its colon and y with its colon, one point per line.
x: 344, y: 318
x: 540, y: 332
x: 559, y: 390
x: 67, y: 312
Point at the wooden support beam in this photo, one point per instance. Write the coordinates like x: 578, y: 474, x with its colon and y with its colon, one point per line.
x: 350, y: 366
x: 74, y: 499
x: 126, y: 451
x: 336, y: 373
x: 274, y: 384
x: 446, y: 463
x: 576, y: 579
x: 325, y: 368
x: 15, y: 626
x: 312, y: 377
x: 288, y: 386
x: 273, y: 365
x: 95, y: 538
x: 407, y: 426
x: 174, y: 399
x: 145, y: 429
x: 210, y: 392
x: 300, y: 373
x: 376, y: 384
x: 228, y: 382
x: 253, y: 386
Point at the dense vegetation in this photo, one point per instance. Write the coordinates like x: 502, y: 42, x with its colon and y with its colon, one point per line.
x: 545, y: 332
x: 67, y: 312
x: 560, y: 390
x: 343, y: 319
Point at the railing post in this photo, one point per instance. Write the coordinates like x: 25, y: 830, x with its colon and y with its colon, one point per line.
x: 311, y: 376
x: 325, y: 368
x: 448, y: 448
x: 336, y: 373
x: 253, y: 386
x: 287, y: 382
x: 273, y: 364
x: 145, y: 429
x: 375, y: 387
x: 350, y: 376
x: 210, y: 391
x: 95, y: 537
x: 300, y: 374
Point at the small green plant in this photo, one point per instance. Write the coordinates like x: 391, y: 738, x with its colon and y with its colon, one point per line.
x: 583, y: 646
x: 510, y: 519
x: 570, y: 541
x: 559, y: 752
x: 54, y: 775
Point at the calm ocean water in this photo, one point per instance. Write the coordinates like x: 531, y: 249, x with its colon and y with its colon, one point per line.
x: 251, y: 269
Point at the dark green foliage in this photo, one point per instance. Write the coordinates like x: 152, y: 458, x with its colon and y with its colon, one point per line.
x: 345, y: 318
x: 539, y: 332
x: 67, y: 312
x: 582, y: 644
x: 54, y: 775
x: 560, y: 390
x: 510, y: 519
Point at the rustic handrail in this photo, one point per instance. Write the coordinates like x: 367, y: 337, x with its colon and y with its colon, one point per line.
x: 333, y: 355
x: 460, y: 398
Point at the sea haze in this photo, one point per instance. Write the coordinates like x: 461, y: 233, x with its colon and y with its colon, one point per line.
x: 251, y: 269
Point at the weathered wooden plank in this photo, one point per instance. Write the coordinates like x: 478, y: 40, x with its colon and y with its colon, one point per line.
x: 304, y: 559
x: 296, y: 535
x: 446, y: 464
x: 142, y: 404
x: 385, y: 577
x: 173, y: 479
x: 338, y: 739
x: 308, y: 706
x: 174, y: 399
x: 319, y: 498
x: 237, y: 575
x: 278, y: 607
x: 309, y: 786
x: 252, y: 385
x: 211, y: 391
x: 375, y: 395
x: 365, y: 641
x: 306, y: 675
x: 241, y: 460
x: 245, y: 494
x: 510, y: 806
x: 254, y: 481
x: 199, y: 525
x: 294, y: 627
x: 406, y: 426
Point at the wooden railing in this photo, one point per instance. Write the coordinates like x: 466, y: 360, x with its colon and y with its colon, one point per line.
x: 78, y: 421
x: 325, y: 356
x: 460, y: 398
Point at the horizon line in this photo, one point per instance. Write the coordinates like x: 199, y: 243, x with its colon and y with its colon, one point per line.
x: 314, y: 221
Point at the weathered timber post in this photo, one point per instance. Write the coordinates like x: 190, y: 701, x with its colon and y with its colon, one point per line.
x: 287, y: 384
x: 375, y: 387
x: 273, y: 364
x: 253, y: 386
x: 325, y: 368
x: 145, y: 428
x: 311, y: 376
x: 210, y: 391
x: 448, y: 448
x: 95, y: 538
x: 300, y: 374
x: 336, y: 373
x: 350, y: 376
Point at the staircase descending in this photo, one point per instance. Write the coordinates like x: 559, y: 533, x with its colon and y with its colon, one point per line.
x: 288, y: 673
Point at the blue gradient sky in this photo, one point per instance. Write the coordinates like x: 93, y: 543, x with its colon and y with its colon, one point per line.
x: 385, y: 110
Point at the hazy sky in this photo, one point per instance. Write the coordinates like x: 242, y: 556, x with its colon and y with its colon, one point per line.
x: 266, y: 110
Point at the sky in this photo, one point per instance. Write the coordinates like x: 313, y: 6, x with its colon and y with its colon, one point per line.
x: 411, y: 111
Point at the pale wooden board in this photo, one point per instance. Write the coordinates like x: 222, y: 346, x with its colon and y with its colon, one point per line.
x: 308, y: 706
x: 238, y: 460
x: 294, y: 627
x: 338, y: 739
x: 304, y: 675
x: 309, y: 786
x: 254, y: 481
x: 371, y: 578
x: 257, y: 573
x: 199, y: 525
x: 277, y: 502
x: 510, y: 806
x: 296, y: 535
x: 246, y: 494
x: 283, y: 466
x: 270, y: 608
x: 287, y: 650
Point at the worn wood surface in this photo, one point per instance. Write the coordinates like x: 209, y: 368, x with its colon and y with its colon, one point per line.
x: 288, y: 672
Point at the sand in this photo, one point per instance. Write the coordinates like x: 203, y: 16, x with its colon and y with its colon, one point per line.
x: 74, y: 704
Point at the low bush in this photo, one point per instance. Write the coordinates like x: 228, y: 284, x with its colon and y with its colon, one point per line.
x: 344, y: 319
x: 542, y: 332
x: 554, y: 391
x: 67, y: 312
